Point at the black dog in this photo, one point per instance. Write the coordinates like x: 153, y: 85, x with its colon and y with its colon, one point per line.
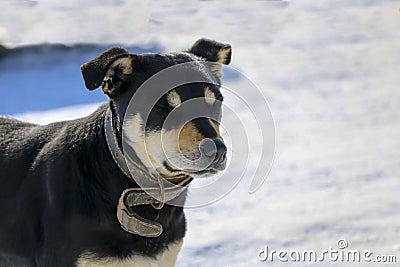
x: 60, y: 184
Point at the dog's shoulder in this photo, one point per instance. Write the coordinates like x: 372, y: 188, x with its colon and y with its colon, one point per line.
x: 12, y: 128
x: 15, y: 137
x: 6, y: 122
x: 25, y: 143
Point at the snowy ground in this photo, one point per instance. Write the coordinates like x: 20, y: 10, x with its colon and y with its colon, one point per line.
x: 329, y: 70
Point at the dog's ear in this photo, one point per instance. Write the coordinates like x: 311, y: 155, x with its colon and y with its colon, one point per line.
x: 213, y: 51
x: 108, y: 70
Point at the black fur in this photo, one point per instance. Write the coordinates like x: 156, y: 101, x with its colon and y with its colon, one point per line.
x: 59, y: 190
x: 59, y: 186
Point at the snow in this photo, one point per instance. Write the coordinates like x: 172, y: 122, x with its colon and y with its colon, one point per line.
x: 329, y: 70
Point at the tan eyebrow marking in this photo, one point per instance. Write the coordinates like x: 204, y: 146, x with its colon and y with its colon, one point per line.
x: 173, y: 98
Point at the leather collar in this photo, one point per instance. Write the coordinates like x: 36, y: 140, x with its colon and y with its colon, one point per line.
x: 131, y: 221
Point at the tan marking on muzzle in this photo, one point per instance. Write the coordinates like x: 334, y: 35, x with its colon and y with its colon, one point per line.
x: 189, y: 137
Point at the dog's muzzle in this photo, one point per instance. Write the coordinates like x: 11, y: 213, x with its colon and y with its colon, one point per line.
x: 215, y: 152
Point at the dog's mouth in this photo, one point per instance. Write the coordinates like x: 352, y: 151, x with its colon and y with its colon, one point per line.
x: 209, y: 159
x: 212, y: 169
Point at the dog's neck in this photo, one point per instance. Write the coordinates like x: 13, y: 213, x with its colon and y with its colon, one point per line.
x: 117, y: 121
x: 150, y: 190
x: 113, y: 123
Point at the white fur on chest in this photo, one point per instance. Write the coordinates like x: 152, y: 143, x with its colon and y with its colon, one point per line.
x: 166, y: 259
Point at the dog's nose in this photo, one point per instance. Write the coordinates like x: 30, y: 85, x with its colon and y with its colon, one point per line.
x: 213, y: 149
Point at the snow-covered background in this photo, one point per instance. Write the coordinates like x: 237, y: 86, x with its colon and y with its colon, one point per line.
x: 329, y: 70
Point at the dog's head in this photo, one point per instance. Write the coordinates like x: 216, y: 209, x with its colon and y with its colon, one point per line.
x: 193, y: 147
